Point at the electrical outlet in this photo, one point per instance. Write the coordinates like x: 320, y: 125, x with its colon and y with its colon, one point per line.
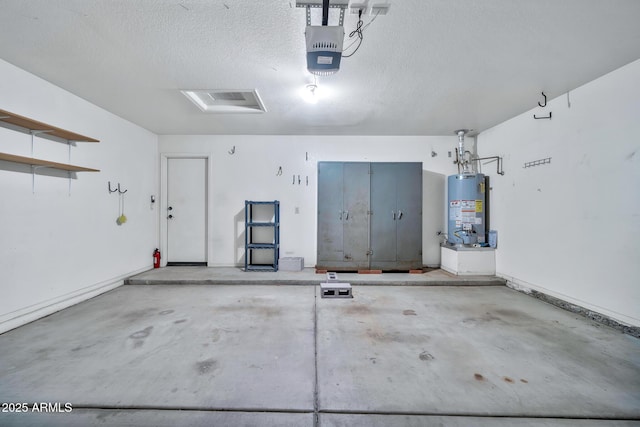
x: 356, y: 6
x: 379, y: 9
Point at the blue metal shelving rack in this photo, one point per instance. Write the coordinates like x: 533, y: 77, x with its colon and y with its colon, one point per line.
x: 250, y: 245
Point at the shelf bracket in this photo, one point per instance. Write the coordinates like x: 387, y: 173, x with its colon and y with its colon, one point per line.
x: 35, y: 133
x: 69, y: 148
x: 34, y: 168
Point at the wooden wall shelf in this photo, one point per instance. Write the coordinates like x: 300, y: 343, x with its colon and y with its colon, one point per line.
x: 44, y: 163
x: 34, y: 125
x: 36, y: 128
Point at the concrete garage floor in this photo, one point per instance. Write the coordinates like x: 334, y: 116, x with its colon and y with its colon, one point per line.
x: 266, y: 355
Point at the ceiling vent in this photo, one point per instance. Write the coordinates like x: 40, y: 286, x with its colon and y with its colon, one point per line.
x: 226, y: 101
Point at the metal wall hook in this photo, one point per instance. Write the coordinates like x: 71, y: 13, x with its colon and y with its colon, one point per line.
x: 545, y: 117
x: 116, y: 189
x: 545, y: 100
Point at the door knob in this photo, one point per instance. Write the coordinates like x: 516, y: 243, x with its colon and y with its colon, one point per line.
x: 170, y: 208
x: 170, y: 217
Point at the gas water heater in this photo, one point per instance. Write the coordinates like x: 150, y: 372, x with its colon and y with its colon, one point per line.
x: 466, y: 209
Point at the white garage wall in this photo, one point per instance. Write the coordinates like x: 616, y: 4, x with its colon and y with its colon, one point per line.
x: 57, y: 249
x: 571, y: 228
x: 250, y: 174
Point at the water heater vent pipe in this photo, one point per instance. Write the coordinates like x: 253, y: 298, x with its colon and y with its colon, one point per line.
x: 461, y: 151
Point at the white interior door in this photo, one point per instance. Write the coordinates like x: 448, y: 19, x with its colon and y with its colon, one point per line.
x: 186, y: 210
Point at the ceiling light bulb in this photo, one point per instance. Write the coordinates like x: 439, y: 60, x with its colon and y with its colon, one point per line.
x: 309, y: 93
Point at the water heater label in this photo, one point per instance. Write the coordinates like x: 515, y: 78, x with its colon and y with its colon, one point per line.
x: 463, y: 212
x: 468, y: 217
x: 468, y: 205
x: 454, y: 211
x: 468, y: 211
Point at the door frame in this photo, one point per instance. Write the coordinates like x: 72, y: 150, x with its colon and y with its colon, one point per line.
x: 164, y: 184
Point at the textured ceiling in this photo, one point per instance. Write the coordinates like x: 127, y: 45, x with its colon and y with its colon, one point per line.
x: 426, y: 68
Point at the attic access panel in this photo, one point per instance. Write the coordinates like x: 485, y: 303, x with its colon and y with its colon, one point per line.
x: 226, y: 101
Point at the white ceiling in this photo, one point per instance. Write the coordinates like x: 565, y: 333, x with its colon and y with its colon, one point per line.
x: 427, y: 68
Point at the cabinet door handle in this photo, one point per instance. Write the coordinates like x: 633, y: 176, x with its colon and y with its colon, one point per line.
x: 346, y: 215
x: 399, y: 214
x: 340, y: 215
x: 393, y: 213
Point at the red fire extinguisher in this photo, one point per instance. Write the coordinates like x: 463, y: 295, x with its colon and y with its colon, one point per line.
x: 156, y: 258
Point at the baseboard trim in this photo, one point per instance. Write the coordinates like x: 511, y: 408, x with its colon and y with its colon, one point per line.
x: 572, y: 307
x: 37, y: 311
